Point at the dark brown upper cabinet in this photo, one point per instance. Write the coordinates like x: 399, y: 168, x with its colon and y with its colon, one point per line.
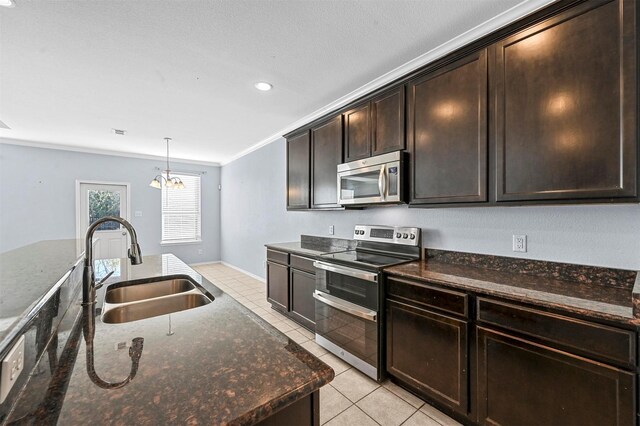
x: 326, y: 142
x: 566, y: 106
x: 375, y: 127
x: 298, y: 163
x: 447, y: 133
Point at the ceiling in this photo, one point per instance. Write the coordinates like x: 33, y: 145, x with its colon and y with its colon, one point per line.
x: 71, y: 71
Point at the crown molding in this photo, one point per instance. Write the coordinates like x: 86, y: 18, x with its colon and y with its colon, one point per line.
x: 19, y: 142
x: 520, y: 10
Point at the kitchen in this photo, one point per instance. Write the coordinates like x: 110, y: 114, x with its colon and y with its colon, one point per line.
x: 244, y: 203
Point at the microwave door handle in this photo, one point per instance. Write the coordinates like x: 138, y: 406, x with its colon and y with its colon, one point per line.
x: 382, y: 182
x: 341, y: 305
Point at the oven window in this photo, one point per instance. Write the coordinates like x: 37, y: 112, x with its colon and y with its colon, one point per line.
x: 356, y: 335
x: 354, y: 290
x: 361, y: 185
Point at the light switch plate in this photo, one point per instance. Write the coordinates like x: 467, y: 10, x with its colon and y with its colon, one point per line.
x: 12, y: 366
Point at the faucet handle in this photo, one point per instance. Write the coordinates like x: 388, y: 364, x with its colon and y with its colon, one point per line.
x: 106, y: 277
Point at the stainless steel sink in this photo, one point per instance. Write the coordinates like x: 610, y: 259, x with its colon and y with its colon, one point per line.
x: 154, y: 307
x: 133, y: 293
x: 125, y: 302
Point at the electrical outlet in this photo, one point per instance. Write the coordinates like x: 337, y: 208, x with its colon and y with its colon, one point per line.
x: 138, y: 213
x: 520, y: 243
x: 331, y: 229
x: 12, y: 366
x: 200, y: 251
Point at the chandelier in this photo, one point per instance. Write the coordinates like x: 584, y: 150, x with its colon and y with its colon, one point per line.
x: 168, y: 181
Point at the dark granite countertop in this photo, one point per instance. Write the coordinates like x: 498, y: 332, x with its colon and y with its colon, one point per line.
x: 569, y: 294
x: 313, y: 246
x: 27, y: 275
x: 216, y: 364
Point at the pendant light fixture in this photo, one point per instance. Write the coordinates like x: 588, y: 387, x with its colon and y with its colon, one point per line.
x: 168, y: 181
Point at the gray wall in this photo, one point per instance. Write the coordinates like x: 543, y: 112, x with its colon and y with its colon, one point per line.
x: 254, y: 213
x: 37, y: 198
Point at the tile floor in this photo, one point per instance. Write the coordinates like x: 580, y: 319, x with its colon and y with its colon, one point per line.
x: 351, y: 398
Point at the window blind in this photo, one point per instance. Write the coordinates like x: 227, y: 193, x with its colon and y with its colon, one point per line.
x: 181, y: 218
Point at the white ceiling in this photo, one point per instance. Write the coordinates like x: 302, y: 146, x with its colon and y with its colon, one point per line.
x: 70, y: 71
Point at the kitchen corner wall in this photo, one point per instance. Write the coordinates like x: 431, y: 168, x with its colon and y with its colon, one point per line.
x: 38, y: 199
x: 253, y: 213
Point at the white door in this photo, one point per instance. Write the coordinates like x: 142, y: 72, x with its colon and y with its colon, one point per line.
x: 97, y: 200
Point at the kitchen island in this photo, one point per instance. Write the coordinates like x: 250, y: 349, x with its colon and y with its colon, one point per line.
x: 214, y: 364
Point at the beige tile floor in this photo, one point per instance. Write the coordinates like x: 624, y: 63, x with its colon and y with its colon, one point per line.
x: 351, y: 398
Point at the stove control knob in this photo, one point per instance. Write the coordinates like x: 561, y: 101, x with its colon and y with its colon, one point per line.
x: 405, y: 236
x: 398, y: 235
x: 413, y: 236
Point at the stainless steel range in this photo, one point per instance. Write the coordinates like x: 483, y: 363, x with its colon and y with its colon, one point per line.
x: 349, y: 293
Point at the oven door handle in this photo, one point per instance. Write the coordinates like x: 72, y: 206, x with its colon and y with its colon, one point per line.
x: 347, y: 307
x: 355, y: 273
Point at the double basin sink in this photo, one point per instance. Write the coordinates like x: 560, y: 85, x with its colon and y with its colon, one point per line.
x: 137, y: 300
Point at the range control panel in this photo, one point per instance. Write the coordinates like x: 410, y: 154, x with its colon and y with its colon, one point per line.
x: 403, y: 235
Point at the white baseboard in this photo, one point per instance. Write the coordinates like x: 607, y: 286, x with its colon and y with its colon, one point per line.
x: 204, y: 263
x: 243, y: 271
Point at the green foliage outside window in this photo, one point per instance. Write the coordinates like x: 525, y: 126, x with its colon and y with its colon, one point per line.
x: 101, y: 204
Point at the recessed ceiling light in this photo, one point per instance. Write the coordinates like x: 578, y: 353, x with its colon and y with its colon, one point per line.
x: 7, y: 3
x: 263, y: 85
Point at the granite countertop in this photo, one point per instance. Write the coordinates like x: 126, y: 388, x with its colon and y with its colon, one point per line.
x: 216, y: 364
x: 565, y: 293
x: 27, y: 274
x: 313, y: 246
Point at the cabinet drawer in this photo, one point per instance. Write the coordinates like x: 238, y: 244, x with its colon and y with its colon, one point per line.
x: 278, y: 256
x: 601, y: 341
x: 302, y: 263
x: 424, y: 294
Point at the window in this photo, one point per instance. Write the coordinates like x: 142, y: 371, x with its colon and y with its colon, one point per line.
x: 181, y: 219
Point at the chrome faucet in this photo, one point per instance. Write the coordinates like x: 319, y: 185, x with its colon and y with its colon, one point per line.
x: 88, y: 277
x: 89, y: 303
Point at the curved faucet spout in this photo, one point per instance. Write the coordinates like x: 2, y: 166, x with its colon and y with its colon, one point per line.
x: 88, y: 278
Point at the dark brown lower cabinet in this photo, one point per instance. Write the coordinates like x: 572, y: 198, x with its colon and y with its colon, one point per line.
x: 278, y: 285
x: 302, y: 286
x: 304, y: 412
x: 291, y: 281
x: 525, y: 383
x: 428, y: 352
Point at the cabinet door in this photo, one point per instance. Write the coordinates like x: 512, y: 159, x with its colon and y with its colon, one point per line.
x: 326, y: 140
x: 523, y: 383
x: 298, y: 171
x: 357, y: 133
x: 387, y: 121
x: 448, y: 133
x: 278, y: 285
x: 566, y: 106
x: 428, y: 351
x: 303, y: 305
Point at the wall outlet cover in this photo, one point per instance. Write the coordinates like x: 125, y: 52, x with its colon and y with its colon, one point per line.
x: 520, y: 243
x: 331, y: 229
x: 138, y: 213
x: 12, y: 366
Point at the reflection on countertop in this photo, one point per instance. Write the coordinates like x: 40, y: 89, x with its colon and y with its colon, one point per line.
x: 27, y: 275
x: 215, y: 364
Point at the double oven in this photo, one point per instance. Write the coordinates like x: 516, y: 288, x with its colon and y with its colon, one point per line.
x: 348, y: 294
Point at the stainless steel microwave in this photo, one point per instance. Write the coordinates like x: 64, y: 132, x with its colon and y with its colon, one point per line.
x: 372, y: 180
